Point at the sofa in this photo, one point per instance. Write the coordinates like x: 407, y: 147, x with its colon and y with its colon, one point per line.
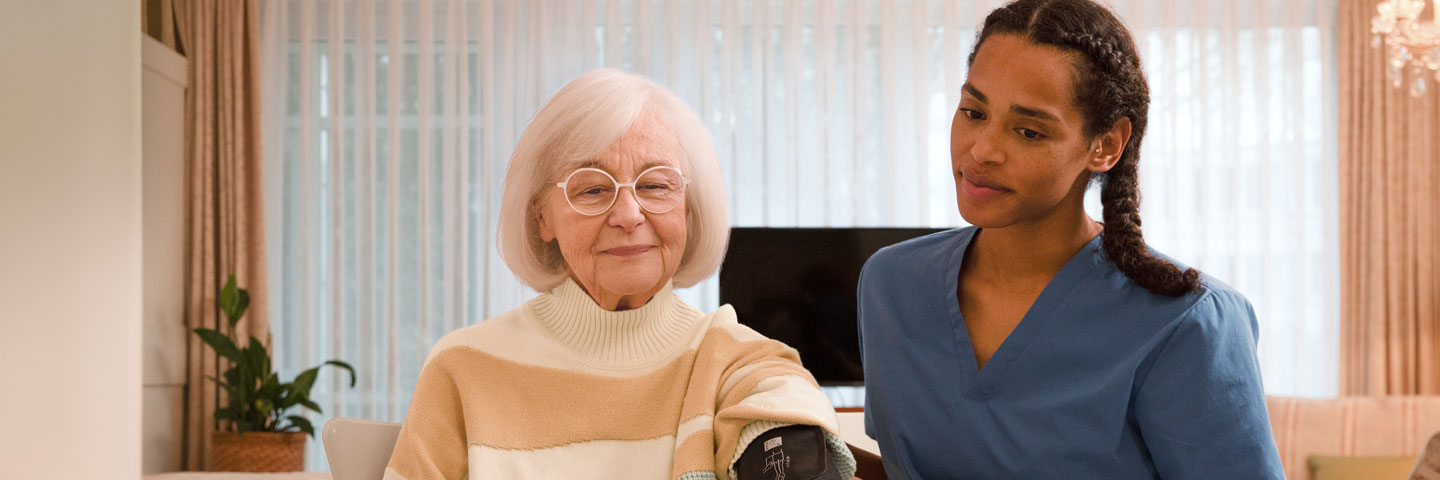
x: 1351, y: 427
x: 1303, y: 427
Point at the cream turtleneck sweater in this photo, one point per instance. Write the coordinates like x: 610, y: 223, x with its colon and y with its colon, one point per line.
x: 561, y: 388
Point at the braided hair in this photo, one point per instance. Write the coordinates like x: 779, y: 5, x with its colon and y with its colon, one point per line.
x: 1109, y: 85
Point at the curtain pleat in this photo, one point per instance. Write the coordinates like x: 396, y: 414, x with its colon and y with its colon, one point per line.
x: 449, y: 171
x: 394, y: 121
x: 425, y: 130
x: 756, y: 167
x: 367, y: 228
x: 727, y: 142
x: 392, y: 361
x: 489, y: 202
x: 859, y: 114
x: 825, y: 48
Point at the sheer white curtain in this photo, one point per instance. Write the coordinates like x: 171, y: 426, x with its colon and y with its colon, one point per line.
x: 388, y: 126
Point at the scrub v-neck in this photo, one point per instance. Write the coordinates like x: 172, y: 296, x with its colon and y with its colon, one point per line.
x: 983, y: 383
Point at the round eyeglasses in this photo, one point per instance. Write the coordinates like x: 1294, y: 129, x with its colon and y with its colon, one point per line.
x: 591, y: 191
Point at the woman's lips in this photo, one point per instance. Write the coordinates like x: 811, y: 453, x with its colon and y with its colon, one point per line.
x: 629, y: 251
x: 981, y: 189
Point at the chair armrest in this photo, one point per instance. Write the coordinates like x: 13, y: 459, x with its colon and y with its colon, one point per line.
x: 867, y: 465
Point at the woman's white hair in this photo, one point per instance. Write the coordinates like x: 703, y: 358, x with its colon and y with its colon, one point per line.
x: 581, y: 121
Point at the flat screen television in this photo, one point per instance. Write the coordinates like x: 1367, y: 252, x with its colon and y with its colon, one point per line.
x: 797, y: 285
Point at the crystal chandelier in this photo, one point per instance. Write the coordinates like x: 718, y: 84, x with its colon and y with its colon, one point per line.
x: 1410, y: 42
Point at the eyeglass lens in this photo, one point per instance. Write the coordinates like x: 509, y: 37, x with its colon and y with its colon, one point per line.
x: 657, y: 190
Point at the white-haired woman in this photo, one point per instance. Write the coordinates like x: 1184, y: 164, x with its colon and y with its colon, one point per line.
x: 613, y: 197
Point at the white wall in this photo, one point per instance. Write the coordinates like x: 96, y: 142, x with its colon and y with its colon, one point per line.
x: 163, y: 131
x: 70, y: 239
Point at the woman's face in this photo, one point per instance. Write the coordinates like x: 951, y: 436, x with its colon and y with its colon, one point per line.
x: 623, y: 256
x: 1017, y: 144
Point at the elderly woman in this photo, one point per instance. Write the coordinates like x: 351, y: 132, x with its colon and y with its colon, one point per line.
x: 613, y: 198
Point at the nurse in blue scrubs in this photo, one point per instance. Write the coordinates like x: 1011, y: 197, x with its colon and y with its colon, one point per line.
x: 1040, y: 343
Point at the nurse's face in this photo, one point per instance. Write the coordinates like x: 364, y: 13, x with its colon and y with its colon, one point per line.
x: 1017, y: 145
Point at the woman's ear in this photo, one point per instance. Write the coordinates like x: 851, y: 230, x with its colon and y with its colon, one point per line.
x: 547, y: 234
x: 1105, y: 150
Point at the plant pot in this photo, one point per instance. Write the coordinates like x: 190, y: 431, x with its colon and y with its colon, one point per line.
x: 257, y: 452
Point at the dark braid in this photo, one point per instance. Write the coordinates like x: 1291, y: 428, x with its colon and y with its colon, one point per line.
x: 1110, y: 84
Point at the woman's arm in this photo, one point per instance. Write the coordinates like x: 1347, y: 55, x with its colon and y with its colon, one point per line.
x: 1199, y: 403
x: 432, y: 441
x: 764, y: 388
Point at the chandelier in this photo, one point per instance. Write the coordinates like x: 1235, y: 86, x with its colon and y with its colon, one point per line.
x: 1410, y: 42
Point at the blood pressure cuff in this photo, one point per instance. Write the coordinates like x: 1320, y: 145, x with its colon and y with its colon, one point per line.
x: 795, y: 452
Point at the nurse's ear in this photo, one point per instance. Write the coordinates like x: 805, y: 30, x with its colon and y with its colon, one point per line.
x: 1106, y: 148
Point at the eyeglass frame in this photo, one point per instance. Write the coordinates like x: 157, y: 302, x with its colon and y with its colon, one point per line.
x: 633, y: 193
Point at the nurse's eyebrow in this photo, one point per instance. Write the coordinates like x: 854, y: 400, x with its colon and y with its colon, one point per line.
x: 975, y: 93
x: 1035, y: 113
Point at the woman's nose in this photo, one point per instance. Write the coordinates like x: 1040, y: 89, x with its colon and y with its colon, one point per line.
x: 985, y: 149
x: 626, y: 212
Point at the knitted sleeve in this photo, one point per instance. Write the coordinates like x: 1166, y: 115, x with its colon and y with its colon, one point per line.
x: 432, y: 443
x: 762, y: 388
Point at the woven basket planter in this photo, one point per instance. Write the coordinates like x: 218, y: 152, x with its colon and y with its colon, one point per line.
x: 257, y: 452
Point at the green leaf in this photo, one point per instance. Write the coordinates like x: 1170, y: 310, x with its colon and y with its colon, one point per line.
x: 310, y: 405
x: 263, y: 405
x: 345, y: 366
x: 232, y: 376
x: 229, y: 389
x: 257, y: 359
x: 287, y: 395
x: 244, y: 382
x: 240, y: 305
x: 256, y: 420
x: 221, y: 343
x: 241, y: 426
x: 270, y: 391
x: 260, y: 356
x: 229, y: 300
x: 305, y: 380
x: 303, y: 424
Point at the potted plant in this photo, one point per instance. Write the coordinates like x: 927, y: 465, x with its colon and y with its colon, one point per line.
x: 255, y: 433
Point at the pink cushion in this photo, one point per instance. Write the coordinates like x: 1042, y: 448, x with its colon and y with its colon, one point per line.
x: 1368, y: 426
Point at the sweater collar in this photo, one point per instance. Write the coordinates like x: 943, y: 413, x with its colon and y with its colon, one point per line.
x: 613, y: 339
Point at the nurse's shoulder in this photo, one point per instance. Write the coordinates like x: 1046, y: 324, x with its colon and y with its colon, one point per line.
x: 916, y: 254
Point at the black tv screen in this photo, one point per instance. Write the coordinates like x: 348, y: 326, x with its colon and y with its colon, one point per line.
x: 797, y: 285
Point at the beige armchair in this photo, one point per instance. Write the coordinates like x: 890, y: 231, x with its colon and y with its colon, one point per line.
x: 358, y: 449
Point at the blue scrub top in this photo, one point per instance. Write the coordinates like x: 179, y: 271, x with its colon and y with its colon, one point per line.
x: 1101, y: 378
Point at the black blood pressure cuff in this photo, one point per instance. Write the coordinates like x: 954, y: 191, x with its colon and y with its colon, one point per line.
x: 795, y: 452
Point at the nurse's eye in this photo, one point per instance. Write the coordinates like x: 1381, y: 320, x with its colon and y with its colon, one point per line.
x: 972, y: 114
x: 1030, y: 134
